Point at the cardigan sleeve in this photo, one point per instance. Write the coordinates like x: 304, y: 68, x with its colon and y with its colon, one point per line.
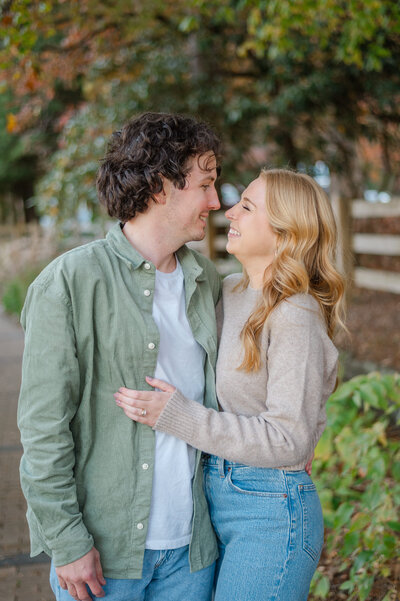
x: 285, y: 432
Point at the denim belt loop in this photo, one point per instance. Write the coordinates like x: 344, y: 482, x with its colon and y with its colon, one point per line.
x: 221, y: 467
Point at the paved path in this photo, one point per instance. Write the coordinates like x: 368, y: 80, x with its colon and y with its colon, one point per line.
x: 21, y: 578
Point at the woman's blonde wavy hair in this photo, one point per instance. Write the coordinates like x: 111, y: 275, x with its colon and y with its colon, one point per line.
x: 301, y: 216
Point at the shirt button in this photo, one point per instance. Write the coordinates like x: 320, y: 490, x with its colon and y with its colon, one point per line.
x: 145, y: 466
x: 147, y: 265
x: 151, y: 346
x: 147, y: 292
x: 140, y: 526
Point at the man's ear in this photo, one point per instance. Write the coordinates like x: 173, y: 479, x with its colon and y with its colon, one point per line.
x: 161, y: 197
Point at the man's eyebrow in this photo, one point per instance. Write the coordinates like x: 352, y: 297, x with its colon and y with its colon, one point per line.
x: 208, y: 178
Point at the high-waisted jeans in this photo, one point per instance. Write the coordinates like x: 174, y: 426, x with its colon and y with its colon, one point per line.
x: 270, y: 531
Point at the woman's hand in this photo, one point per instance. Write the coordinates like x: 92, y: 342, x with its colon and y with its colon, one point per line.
x: 145, y: 406
x: 308, y: 467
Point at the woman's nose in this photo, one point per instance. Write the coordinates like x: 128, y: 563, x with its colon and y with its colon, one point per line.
x: 230, y: 214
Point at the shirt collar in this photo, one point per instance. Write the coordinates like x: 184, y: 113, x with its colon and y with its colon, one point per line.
x: 191, y: 268
x: 122, y: 248
x: 127, y: 253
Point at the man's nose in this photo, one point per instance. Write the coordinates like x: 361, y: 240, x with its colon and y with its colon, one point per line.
x: 213, y: 203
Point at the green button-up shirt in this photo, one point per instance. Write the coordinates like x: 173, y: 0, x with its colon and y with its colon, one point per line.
x: 87, y: 469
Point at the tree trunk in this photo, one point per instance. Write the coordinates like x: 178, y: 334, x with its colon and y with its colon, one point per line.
x: 25, y: 190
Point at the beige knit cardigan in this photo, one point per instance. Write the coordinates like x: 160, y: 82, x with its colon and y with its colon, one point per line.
x: 273, y: 417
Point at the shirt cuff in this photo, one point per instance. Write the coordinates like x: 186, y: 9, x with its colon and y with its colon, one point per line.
x: 70, y: 549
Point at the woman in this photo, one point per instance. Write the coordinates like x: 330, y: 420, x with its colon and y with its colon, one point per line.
x: 275, y: 370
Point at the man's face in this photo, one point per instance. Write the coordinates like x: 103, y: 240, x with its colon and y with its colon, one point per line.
x: 187, y: 210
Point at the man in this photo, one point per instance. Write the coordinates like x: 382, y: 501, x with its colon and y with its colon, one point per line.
x: 121, y: 510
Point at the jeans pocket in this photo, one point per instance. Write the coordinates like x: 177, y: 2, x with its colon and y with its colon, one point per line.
x: 251, y: 485
x: 312, y: 520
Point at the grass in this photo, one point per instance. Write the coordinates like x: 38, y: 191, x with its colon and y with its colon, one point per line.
x: 14, y: 291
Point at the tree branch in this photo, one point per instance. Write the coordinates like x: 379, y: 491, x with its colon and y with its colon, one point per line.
x: 89, y: 36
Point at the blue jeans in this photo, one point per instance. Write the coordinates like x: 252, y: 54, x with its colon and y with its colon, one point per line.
x: 166, y: 577
x: 270, y: 531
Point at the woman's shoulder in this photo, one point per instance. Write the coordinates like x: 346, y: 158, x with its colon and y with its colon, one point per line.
x: 298, y: 309
x: 230, y: 281
x: 302, y: 301
x: 238, y: 301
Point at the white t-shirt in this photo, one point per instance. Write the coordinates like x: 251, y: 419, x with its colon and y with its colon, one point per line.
x: 181, y: 363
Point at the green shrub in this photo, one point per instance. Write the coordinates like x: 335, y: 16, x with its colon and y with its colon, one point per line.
x: 15, y: 290
x: 357, y: 473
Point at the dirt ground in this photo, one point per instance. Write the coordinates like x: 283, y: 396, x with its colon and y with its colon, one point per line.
x: 373, y: 320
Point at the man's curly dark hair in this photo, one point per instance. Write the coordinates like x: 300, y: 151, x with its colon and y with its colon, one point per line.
x: 146, y: 148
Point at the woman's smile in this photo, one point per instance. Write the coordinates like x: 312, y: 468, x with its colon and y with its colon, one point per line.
x: 233, y: 233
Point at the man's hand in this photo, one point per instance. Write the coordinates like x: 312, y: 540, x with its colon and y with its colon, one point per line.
x: 84, y: 571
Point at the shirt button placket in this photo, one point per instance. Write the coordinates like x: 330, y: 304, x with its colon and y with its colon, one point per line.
x: 151, y: 346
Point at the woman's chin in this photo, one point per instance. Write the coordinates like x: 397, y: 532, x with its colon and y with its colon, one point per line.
x: 229, y: 249
x: 230, y: 246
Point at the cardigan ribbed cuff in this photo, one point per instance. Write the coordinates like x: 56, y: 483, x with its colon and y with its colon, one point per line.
x: 179, y: 417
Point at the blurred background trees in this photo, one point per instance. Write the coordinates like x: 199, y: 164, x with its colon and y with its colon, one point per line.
x: 285, y: 83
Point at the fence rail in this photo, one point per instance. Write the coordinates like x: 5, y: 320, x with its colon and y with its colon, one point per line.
x: 361, y: 209
x: 13, y: 231
x: 375, y: 279
x: 376, y: 244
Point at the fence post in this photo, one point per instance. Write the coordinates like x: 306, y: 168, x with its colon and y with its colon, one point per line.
x: 343, y: 214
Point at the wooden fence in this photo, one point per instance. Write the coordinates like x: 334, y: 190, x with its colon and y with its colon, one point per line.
x: 363, y: 244
x: 385, y: 245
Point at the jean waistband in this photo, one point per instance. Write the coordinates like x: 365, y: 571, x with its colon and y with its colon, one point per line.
x: 224, y: 466
x: 214, y: 460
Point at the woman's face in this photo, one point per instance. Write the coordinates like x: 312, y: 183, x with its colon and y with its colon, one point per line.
x: 250, y: 236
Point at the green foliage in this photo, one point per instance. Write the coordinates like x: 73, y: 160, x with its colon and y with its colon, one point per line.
x: 295, y: 29
x: 18, y: 161
x: 15, y: 290
x: 357, y: 472
x: 70, y: 180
